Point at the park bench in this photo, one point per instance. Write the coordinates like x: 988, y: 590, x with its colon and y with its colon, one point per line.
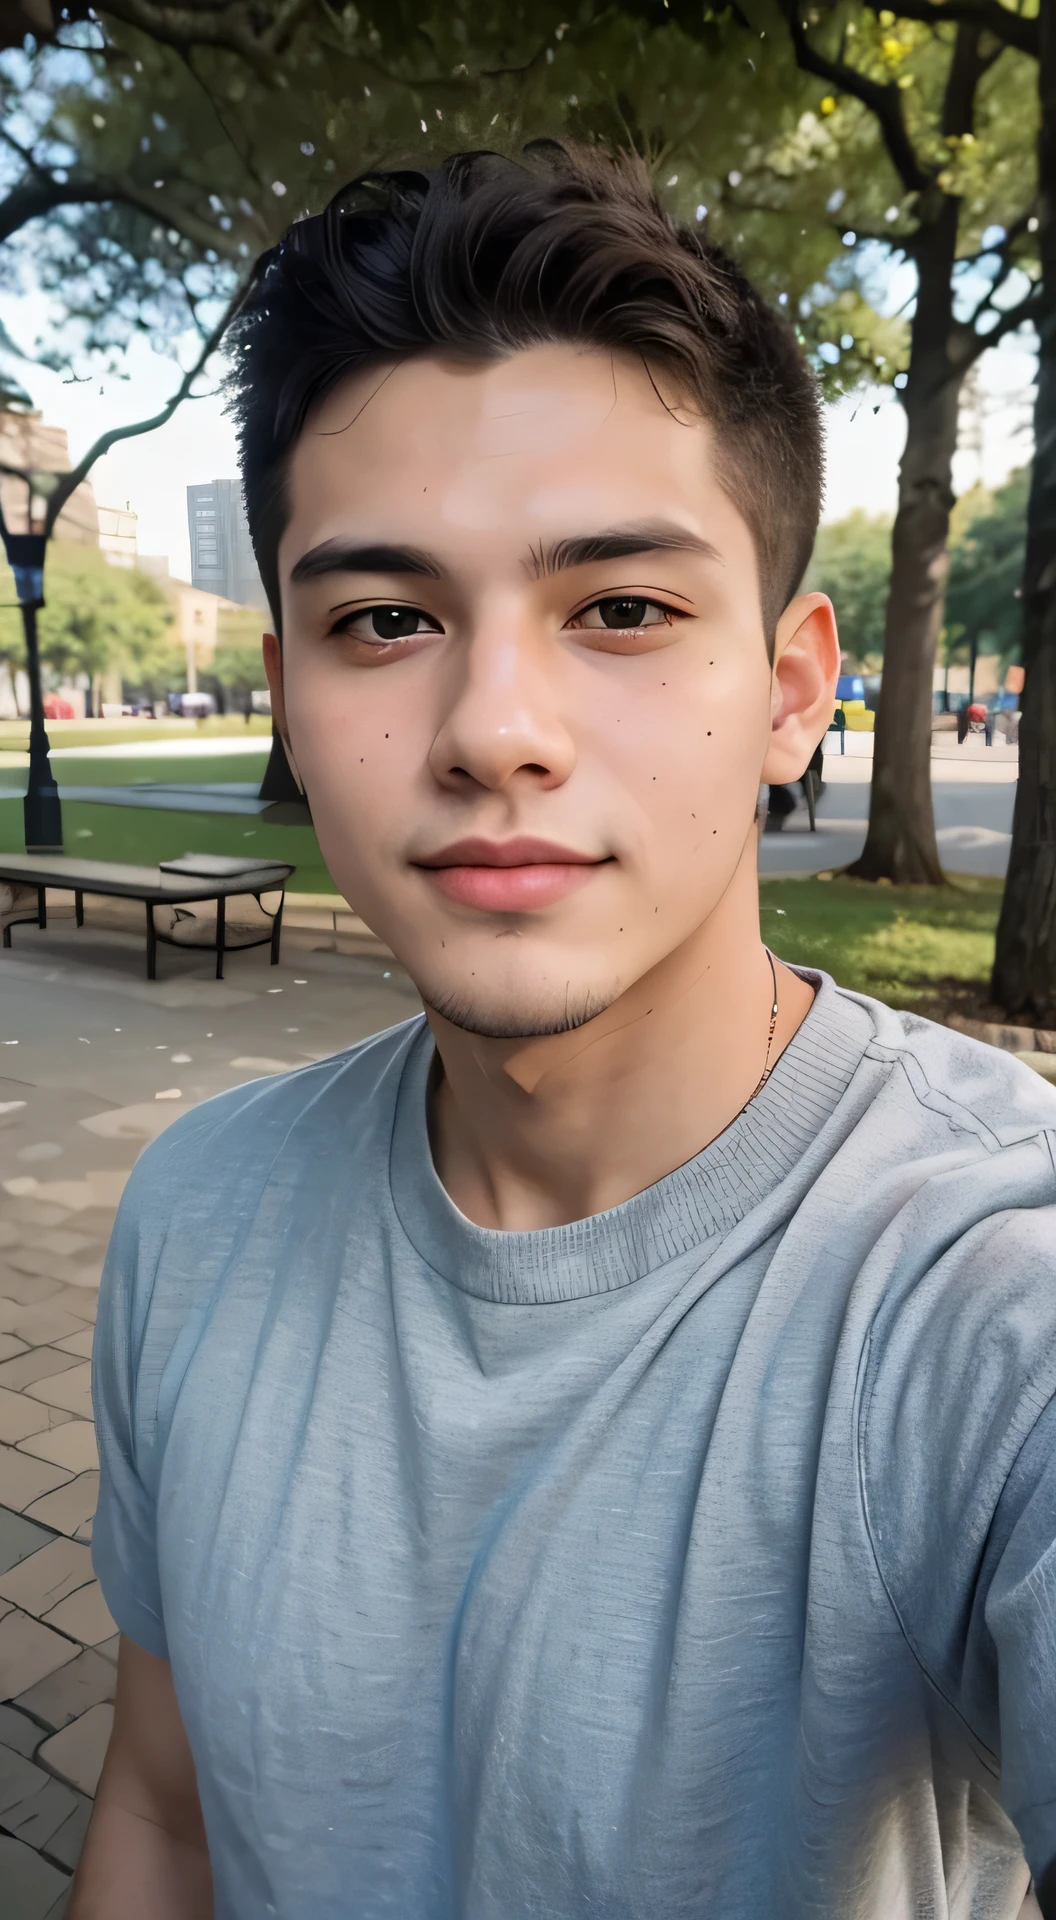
x: 195, y: 879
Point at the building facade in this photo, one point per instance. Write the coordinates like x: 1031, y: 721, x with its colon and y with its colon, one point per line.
x: 32, y: 447
x: 222, y: 560
x: 118, y: 535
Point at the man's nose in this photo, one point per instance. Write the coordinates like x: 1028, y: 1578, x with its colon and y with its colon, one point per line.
x: 504, y: 721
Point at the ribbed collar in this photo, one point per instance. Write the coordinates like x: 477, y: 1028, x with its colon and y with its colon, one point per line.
x: 688, y: 1208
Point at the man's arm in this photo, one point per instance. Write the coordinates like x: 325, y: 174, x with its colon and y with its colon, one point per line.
x: 145, y: 1852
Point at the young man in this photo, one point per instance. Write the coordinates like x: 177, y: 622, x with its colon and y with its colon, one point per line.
x: 589, y: 1451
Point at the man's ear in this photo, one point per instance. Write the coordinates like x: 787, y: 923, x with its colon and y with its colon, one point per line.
x: 803, y: 687
x: 273, y: 669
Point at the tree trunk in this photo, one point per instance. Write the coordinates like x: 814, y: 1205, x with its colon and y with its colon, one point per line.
x: 900, y: 844
x: 278, y: 782
x: 1024, y: 977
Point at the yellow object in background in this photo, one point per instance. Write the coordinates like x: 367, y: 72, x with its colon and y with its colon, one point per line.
x: 857, y: 717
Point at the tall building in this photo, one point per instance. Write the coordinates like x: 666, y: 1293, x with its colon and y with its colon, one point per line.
x: 221, y: 550
x: 28, y: 444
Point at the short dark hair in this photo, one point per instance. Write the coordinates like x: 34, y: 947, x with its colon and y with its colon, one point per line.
x: 484, y: 256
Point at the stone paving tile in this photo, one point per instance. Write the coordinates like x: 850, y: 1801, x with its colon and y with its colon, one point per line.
x: 42, y: 1265
x: 30, y: 1289
x: 48, y: 1577
x: 33, y: 1805
x: 96, y: 1223
x: 61, y: 1240
x: 19, y: 1538
x: 20, y: 1417
x: 47, y: 1325
x: 70, y: 1390
x: 66, y: 1694
x: 28, y: 1652
x: 35, y: 1213
x: 19, y: 1779
x: 85, y: 1616
x: 80, y: 1301
x: 19, y: 1732
x: 10, y: 1346
x: 24, y: 1479
x: 76, y: 1754
x: 73, y: 1446
x: 70, y: 1508
x: 33, y: 1888
x: 80, y: 1343
x: 65, y: 1845
x: 40, y: 1363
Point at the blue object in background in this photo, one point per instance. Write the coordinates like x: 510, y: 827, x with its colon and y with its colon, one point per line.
x: 850, y: 686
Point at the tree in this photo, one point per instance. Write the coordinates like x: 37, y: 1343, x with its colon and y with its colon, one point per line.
x: 983, y: 601
x: 1024, y: 977
x: 138, y: 173
x: 237, y: 669
x: 852, y: 564
x: 150, y: 154
x: 97, y: 618
x: 953, y: 101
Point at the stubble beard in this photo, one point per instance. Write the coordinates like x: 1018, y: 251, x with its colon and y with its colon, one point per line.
x: 472, y: 1012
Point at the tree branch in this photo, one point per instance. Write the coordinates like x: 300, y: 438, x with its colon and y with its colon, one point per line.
x: 1013, y: 317
x: 33, y: 199
x: 1013, y: 29
x: 883, y: 99
x: 69, y: 482
x: 234, y: 26
x: 1005, y: 266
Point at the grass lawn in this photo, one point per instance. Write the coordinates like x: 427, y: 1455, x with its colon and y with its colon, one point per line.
x: 929, y: 949
x: 141, y: 836
x: 14, y: 734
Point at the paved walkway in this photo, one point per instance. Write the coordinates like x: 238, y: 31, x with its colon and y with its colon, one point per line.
x: 973, y: 788
x: 94, y: 1062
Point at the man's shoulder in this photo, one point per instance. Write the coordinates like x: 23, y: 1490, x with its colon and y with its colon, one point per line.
x: 212, y: 1162
x: 961, y: 1083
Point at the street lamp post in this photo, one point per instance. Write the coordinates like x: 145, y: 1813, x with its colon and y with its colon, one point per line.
x: 43, y: 812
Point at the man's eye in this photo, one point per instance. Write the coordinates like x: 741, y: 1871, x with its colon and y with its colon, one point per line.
x: 386, y: 623
x: 623, y: 613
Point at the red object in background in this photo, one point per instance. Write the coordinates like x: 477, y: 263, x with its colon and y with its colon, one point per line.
x: 976, y: 712
x: 56, y: 708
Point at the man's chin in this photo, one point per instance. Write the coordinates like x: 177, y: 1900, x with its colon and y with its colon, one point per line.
x: 509, y: 1015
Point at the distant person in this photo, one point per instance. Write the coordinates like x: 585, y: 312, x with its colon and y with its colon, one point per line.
x: 782, y: 799
x: 589, y: 1450
x: 973, y: 718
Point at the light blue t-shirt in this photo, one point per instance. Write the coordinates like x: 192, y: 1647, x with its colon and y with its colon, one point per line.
x: 696, y: 1559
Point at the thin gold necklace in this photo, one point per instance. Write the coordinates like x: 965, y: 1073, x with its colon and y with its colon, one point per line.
x: 767, y: 1069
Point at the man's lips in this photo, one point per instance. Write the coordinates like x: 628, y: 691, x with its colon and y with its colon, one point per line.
x: 508, y: 876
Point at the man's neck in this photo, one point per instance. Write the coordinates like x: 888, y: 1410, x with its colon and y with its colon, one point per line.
x: 537, y: 1132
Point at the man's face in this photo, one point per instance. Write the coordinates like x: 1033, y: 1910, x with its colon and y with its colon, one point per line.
x: 525, y: 676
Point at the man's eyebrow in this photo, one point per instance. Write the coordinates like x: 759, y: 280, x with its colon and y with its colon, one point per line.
x: 617, y: 543
x: 341, y: 556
